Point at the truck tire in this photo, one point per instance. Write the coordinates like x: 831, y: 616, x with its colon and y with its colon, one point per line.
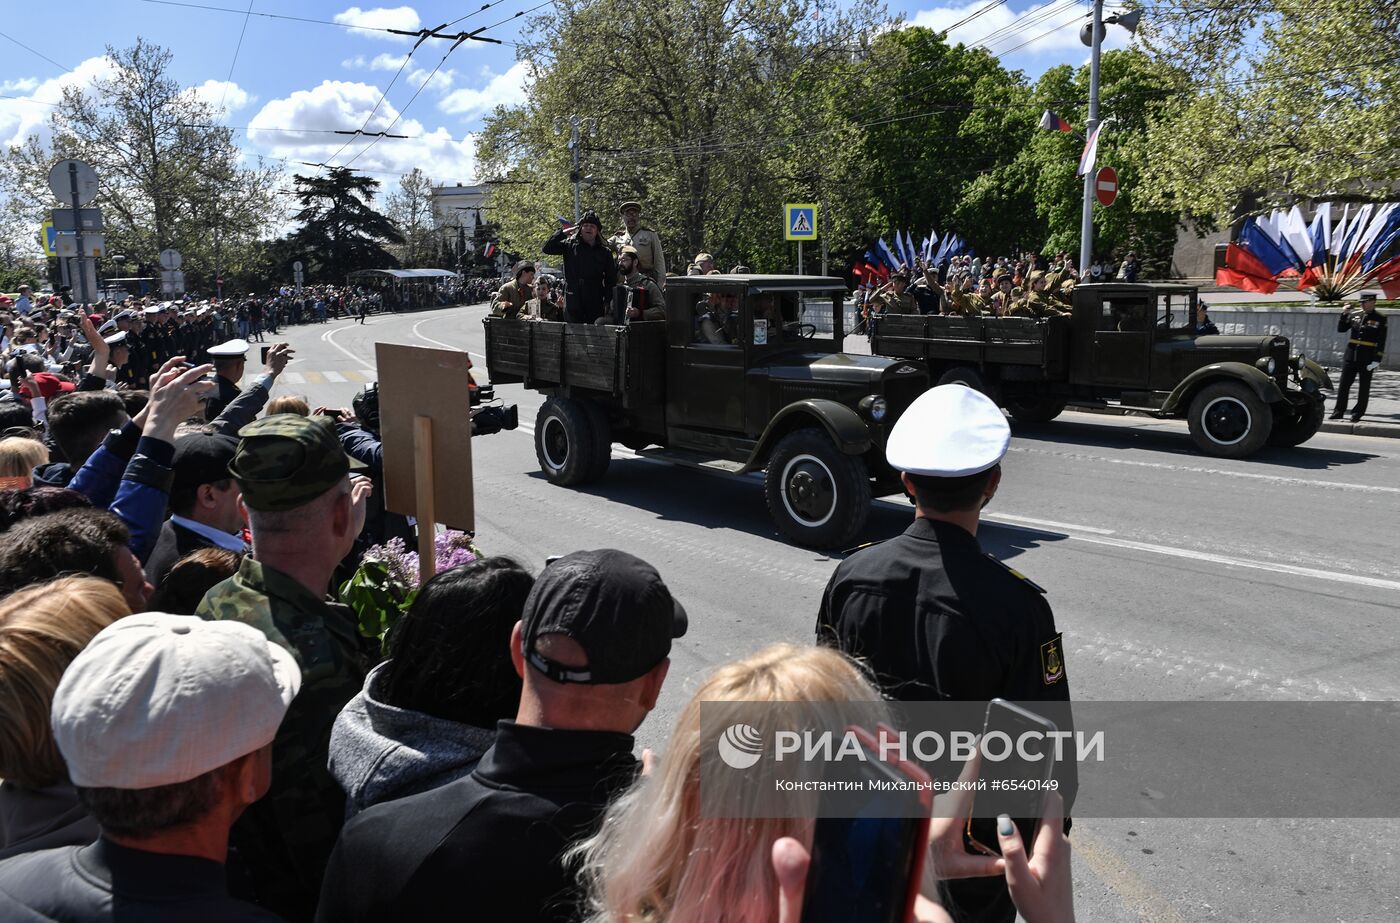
x: 602, y: 439
x: 964, y: 375
x: 1035, y: 409
x: 1228, y: 420
x: 1292, y: 429
x: 565, y: 443
x: 817, y: 495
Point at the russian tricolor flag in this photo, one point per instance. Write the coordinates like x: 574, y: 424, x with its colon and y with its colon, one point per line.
x: 1091, y: 151
x: 1051, y: 121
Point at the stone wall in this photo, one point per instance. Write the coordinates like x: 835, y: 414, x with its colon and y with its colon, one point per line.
x: 1313, y: 330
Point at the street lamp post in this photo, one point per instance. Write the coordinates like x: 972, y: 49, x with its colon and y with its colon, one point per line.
x: 1092, y: 35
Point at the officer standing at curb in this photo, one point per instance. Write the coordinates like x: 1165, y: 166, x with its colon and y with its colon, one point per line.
x: 1365, y: 347
x: 938, y: 619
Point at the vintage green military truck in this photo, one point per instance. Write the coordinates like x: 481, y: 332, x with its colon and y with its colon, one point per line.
x: 1126, y: 346
x: 745, y: 374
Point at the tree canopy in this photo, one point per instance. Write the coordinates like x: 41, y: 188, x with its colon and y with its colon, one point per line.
x: 340, y: 231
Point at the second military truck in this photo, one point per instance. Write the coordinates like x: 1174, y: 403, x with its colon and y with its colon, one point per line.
x: 1131, y: 347
x: 746, y: 373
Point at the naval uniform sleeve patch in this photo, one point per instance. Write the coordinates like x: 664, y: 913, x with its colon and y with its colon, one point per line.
x: 1052, y: 660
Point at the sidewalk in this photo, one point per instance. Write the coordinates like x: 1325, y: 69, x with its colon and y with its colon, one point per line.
x: 1382, y: 412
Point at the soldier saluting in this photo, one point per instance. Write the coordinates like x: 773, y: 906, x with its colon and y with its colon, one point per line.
x: 1365, y: 346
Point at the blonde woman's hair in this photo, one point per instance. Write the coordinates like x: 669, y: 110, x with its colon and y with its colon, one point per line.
x: 289, y: 403
x: 20, y: 455
x: 658, y: 858
x: 42, y: 628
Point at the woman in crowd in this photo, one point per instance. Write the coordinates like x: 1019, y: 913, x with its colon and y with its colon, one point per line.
x: 42, y: 628
x: 289, y: 403
x: 191, y: 577
x: 19, y: 456
x: 659, y: 858
x: 428, y: 713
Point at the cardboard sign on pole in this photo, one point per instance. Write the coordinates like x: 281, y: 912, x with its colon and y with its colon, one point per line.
x: 425, y: 426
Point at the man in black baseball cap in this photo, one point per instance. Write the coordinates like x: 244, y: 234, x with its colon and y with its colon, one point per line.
x: 592, y: 648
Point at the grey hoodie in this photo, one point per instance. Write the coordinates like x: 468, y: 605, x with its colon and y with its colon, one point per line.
x: 380, y: 752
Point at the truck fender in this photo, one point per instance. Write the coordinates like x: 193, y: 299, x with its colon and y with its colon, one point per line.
x: 1311, y: 371
x: 1265, y: 387
x: 845, y: 427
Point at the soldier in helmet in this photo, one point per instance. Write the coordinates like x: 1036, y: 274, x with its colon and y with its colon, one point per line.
x: 651, y: 259
x: 510, y: 300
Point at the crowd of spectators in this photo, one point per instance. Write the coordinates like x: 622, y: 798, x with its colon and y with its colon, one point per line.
x: 191, y: 728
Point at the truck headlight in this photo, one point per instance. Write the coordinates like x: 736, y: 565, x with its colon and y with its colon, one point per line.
x: 1267, y: 365
x: 1300, y: 361
x: 874, y: 408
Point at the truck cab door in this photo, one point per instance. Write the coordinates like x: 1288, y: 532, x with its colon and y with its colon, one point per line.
x: 1123, y: 342
x: 706, y: 377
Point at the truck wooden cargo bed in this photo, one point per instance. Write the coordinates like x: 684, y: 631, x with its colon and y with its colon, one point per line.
x: 626, y: 363
x: 943, y: 339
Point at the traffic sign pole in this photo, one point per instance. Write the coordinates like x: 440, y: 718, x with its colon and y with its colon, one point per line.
x: 83, y: 292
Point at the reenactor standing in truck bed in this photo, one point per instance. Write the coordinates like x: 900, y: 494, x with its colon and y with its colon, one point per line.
x: 1040, y: 303
x: 510, y: 300
x: 651, y: 259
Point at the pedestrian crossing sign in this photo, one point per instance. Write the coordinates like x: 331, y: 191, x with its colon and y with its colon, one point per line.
x: 801, y: 223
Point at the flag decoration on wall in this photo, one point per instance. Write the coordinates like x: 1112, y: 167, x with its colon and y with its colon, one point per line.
x: 1333, y: 260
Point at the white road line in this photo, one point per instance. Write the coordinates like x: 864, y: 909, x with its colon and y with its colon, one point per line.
x: 1050, y: 523
x: 329, y: 337
x: 1214, y: 472
x: 1220, y: 559
x: 335, y: 377
x: 423, y: 336
x: 293, y: 378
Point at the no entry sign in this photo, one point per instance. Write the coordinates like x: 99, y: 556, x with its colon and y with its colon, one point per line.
x: 1106, y: 185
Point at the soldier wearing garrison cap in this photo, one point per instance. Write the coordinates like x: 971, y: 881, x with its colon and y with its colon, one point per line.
x: 510, y: 300
x: 937, y: 618
x: 304, y: 511
x: 651, y: 259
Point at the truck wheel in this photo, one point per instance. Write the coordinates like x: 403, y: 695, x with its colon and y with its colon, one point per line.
x: 1296, y: 425
x: 1035, y: 409
x: 602, y: 439
x: 964, y: 375
x: 565, y: 443
x: 817, y: 495
x: 1229, y: 420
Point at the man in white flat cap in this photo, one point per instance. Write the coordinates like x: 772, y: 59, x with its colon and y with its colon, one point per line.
x: 166, y: 725
x: 230, y: 360
x: 935, y: 617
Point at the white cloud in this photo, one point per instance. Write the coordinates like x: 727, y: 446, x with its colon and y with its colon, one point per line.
x: 336, y: 104
x: 1001, y: 30
x: 387, y: 62
x: 19, y: 85
x: 381, y: 17
x: 29, y: 115
x: 355, y: 63
x: 216, y: 92
x: 506, y: 89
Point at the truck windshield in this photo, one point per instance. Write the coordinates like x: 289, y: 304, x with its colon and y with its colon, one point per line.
x: 1175, y: 311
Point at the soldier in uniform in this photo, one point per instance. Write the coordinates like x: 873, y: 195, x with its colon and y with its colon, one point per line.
x: 589, y: 268
x: 630, y: 275
x: 1039, y: 303
x: 705, y: 263
x: 546, y: 305
x: 651, y: 259
x: 304, y: 511
x: 897, y: 300
x: 510, y: 300
x: 229, y: 361
x: 937, y: 618
x: 1365, y: 348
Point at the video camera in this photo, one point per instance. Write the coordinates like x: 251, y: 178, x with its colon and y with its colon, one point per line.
x: 487, y: 414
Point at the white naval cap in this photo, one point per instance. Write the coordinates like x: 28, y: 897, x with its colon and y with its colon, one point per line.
x: 116, y: 339
x: 231, y: 348
x: 950, y: 431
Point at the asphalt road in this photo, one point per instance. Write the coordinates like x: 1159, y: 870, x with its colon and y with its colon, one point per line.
x: 1174, y: 576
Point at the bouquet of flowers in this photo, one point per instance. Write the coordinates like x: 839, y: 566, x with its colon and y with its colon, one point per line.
x: 386, y: 582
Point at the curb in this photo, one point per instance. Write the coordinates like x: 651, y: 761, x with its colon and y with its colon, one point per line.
x: 1342, y: 427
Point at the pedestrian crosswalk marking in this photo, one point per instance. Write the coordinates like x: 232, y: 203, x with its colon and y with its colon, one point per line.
x: 314, y: 378
x: 334, y: 376
x: 353, y: 375
x: 293, y: 378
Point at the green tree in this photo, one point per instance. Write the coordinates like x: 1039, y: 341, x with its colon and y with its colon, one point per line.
x: 169, y: 176
x: 411, y: 210
x: 711, y: 113
x: 1288, y: 101
x: 340, y: 230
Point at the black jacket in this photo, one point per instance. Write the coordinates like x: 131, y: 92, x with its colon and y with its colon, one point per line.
x: 588, y: 273
x: 488, y: 846
x: 104, y: 882
x: 1366, y: 343
x: 173, y: 543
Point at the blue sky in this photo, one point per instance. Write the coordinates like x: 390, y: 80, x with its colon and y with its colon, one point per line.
x: 308, y: 75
